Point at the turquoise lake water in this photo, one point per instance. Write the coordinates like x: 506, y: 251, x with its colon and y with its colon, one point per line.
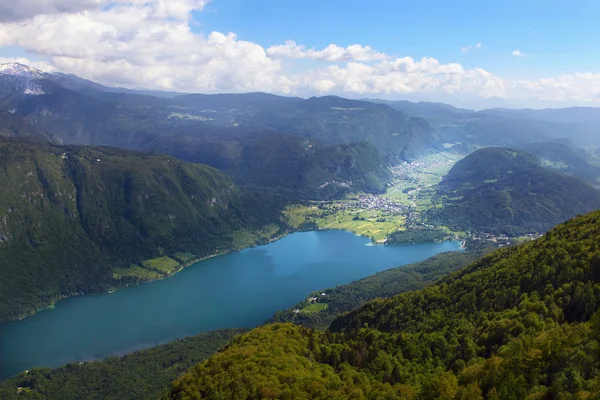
x: 241, y: 289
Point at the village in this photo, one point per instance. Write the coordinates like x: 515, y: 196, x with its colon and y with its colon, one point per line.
x: 367, y: 202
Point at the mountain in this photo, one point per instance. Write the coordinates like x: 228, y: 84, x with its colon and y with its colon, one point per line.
x: 300, y: 167
x: 19, y: 77
x: 86, y: 86
x: 335, y: 120
x: 564, y: 157
x: 522, y: 322
x: 321, y: 147
x: 505, y: 126
x: 87, y: 219
x: 507, y: 191
x: 580, y: 124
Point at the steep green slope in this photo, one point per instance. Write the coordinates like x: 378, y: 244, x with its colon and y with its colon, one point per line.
x: 74, y: 219
x: 507, y: 191
x: 144, y: 374
x: 522, y: 322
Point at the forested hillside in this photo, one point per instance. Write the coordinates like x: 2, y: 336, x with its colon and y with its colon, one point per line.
x: 15, y: 127
x: 83, y: 219
x: 145, y: 374
x: 301, y: 168
x: 522, y: 322
x: 345, y: 298
x: 507, y: 191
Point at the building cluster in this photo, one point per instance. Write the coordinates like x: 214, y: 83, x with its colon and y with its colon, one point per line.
x: 371, y: 202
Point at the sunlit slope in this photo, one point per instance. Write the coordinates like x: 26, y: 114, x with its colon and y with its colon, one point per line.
x: 521, y: 322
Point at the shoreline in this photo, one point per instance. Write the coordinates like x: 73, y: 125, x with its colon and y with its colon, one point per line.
x: 189, y: 263
x: 183, y: 266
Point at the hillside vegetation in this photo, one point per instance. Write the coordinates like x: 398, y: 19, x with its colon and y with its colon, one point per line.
x: 522, y: 322
x: 144, y: 374
x: 78, y: 220
x: 507, y: 191
x: 297, y: 167
x: 344, y: 298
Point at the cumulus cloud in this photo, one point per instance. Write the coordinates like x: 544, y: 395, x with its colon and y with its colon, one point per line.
x: 331, y: 53
x: 517, y: 53
x: 149, y: 44
x: 24, y: 9
x: 145, y: 44
x: 579, y: 87
x: 402, y: 76
x: 40, y: 65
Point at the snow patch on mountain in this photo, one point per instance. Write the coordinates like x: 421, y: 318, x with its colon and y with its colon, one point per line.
x: 19, y: 70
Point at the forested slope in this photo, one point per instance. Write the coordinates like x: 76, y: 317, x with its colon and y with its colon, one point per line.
x: 74, y: 219
x: 507, y: 191
x: 144, y: 374
x: 522, y: 322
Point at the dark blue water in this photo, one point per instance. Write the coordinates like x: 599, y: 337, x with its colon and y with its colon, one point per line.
x: 241, y: 289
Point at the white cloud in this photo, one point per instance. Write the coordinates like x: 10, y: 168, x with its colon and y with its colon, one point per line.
x: 331, y: 53
x: 466, y: 49
x: 579, y: 87
x: 41, y: 65
x: 517, y: 53
x: 149, y: 44
x: 145, y: 44
x: 22, y: 9
x: 25, y: 9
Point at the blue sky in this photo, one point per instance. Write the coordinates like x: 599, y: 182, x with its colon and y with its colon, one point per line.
x: 527, y: 53
x: 556, y: 36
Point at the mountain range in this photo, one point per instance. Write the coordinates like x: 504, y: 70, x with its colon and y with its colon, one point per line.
x: 221, y: 130
x: 106, y: 187
x: 276, y: 150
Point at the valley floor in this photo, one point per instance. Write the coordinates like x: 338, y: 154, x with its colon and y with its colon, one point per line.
x: 378, y: 216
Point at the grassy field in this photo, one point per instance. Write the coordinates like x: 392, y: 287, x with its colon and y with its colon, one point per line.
x: 370, y: 223
x: 314, y: 308
x: 414, y: 188
x: 165, y: 265
x: 155, y: 268
x: 415, y: 183
x: 135, y: 271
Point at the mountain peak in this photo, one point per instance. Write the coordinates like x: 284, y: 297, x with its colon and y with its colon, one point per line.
x: 21, y: 70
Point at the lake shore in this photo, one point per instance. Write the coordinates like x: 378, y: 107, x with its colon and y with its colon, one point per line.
x: 240, y: 289
x: 113, y: 289
x: 274, y: 238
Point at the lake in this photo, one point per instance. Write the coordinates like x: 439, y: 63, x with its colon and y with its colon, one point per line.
x: 241, y: 289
